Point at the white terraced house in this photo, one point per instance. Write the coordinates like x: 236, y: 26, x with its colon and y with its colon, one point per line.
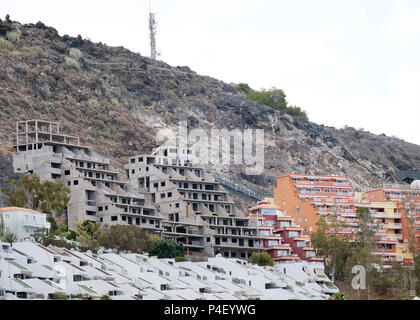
x: 31, y: 271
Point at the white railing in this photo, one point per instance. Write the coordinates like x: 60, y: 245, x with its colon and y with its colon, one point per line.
x: 390, y: 185
x: 341, y: 184
x: 393, y: 225
x: 307, y: 192
x: 304, y: 182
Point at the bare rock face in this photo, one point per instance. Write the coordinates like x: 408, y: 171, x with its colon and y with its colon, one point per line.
x: 6, y: 174
x: 116, y: 100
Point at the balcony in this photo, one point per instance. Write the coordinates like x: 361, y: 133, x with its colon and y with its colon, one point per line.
x: 391, y: 238
x: 346, y: 194
x: 393, y: 226
x: 308, y: 192
x: 386, y: 215
x: 346, y: 184
x: 304, y: 182
x: 91, y: 205
x: 35, y: 224
x: 56, y: 171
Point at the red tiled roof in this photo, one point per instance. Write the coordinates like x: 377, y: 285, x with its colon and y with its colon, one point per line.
x: 17, y: 208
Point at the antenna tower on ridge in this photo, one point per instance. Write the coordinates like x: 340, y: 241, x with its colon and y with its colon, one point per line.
x: 152, y: 28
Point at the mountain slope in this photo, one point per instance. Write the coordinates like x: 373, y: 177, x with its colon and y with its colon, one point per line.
x: 117, y: 100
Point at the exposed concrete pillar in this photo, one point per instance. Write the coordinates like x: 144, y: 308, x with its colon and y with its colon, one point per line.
x: 26, y: 132
x: 36, y: 131
x: 17, y: 136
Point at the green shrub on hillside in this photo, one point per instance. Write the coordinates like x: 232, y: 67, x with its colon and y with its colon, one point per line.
x: 76, y: 54
x: 147, y: 101
x: 14, y: 36
x: 93, y: 103
x: 99, y: 124
x: 274, y: 98
x: 4, y: 101
x: 71, y: 63
x: 104, y: 134
x: 16, y: 53
x: 5, y: 44
x: 115, y: 102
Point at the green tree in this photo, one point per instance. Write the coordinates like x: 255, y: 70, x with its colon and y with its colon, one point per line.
x: 319, y: 239
x: 58, y: 296
x: 362, y: 252
x: 244, y: 87
x: 165, y: 248
x: 273, y: 97
x: 126, y: 238
x: 408, y: 208
x: 88, y: 234
x: 50, y: 197
x: 64, y: 232
x: 1, y: 226
x: 261, y: 259
x: 331, y: 245
x: 338, y: 296
x: 17, y: 198
x: 52, y: 240
x: 10, y: 238
x: 417, y: 273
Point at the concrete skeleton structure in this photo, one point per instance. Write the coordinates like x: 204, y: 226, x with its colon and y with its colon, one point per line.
x: 31, y: 271
x: 98, y: 192
x: 161, y: 192
x: 199, y: 211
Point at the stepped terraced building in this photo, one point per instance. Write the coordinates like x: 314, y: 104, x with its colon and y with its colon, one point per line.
x: 97, y: 191
x: 395, y: 210
x: 161, y: 192
x: 198, y: 210
x: 32, y: 271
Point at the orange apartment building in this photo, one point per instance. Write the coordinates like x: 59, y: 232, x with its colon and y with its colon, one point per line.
x: 283, y: 240
x: 407, y: 200
x: 390, y: 244
x: 304, y: 197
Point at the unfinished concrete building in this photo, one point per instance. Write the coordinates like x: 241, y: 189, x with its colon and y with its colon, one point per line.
x: 97, y: 192
x: 198, y: 209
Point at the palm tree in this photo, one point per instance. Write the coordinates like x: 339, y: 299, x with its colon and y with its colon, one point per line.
x: 10, y: 237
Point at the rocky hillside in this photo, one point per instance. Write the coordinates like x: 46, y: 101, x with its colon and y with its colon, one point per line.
x: 117, y: 100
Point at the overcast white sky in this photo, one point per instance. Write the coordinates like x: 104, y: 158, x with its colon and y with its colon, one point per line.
x: 348, y: 62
